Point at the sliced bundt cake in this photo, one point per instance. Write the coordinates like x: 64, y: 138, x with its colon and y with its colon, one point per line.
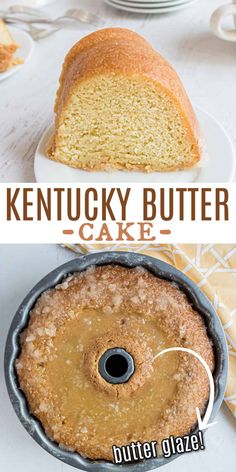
x: 7, y: 48
x: 120, y: 105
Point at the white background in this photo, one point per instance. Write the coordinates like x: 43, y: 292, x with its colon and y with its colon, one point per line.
x: 182, y: 231
x: 21, y: 268
x: 206, y: 65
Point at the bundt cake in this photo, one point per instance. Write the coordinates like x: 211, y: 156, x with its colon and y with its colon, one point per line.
x: 90, y: 314
x: 7, y: 48
x: 120, y: 105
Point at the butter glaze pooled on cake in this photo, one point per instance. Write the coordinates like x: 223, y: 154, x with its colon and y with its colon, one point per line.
x: 74, y: 324
x: 120, y: 105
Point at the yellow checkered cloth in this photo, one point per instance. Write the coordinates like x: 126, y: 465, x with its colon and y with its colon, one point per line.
x: 213, y: 268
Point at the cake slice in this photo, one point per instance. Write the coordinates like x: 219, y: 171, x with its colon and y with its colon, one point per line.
x: 7, y: 48
x: 120, y: 105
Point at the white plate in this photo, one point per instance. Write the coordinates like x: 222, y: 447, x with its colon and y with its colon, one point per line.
x: 154, y: 10
x: 24, y: 52
x: 142, y: 4
x: 219, y: 166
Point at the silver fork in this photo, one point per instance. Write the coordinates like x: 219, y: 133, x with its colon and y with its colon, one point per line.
x: 70, y: 16
x: 85, y: 16
x: 75, y: 15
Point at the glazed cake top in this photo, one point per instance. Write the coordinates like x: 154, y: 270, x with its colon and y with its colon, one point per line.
x: 73, y: 324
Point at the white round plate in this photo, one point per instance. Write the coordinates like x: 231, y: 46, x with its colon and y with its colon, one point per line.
x: 151, y: 10
x: 219, y: 166
x: 23, y: 52
x: 156, y: 4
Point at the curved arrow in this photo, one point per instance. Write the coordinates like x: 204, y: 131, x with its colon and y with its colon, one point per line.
x: 202, y: 423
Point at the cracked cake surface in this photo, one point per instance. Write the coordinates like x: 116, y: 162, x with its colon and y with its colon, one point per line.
x: 73, y: 324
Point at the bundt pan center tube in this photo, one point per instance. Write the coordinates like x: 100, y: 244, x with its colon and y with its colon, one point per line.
x: 116, y: 366
x: 123, y: 363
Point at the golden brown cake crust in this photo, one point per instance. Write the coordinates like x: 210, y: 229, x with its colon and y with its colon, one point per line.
x: 120, y: 51
x: 141, y: 313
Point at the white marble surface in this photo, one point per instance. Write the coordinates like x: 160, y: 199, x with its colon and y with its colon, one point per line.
x: 21, y: 267
x: 206, y: 65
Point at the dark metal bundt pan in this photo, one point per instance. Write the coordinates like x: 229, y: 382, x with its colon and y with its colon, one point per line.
x: 127, y: 259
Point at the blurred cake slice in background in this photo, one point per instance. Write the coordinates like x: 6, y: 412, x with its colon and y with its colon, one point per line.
x: 8, y: 48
